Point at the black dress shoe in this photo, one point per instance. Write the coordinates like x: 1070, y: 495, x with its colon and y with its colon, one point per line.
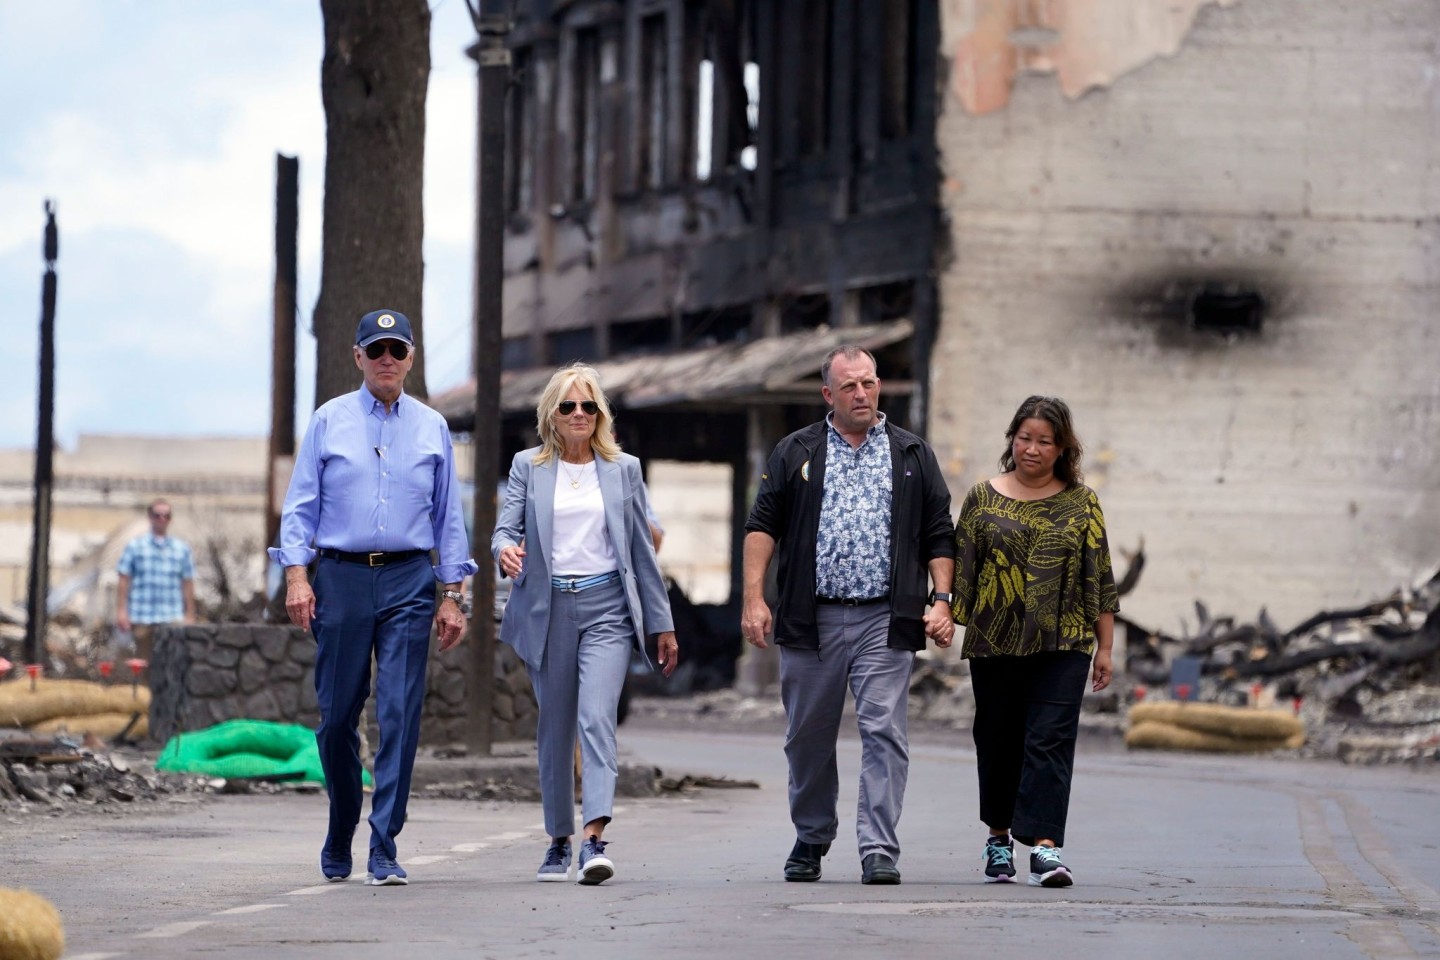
x: 804, y: 863
x: 878, y: 868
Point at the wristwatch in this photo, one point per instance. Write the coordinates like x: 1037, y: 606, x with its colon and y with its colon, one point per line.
x: 945, y: 598
x: 455, y: 595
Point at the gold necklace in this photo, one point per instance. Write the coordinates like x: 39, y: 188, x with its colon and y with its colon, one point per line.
x: 575, y: 478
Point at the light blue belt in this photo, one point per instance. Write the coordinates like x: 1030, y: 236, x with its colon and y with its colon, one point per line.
x: 576, y: 584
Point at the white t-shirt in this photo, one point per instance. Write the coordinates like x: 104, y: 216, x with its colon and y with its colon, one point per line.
x: 582, y: 545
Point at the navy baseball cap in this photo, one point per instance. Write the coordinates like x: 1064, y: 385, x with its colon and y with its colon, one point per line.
x: 383, y: 325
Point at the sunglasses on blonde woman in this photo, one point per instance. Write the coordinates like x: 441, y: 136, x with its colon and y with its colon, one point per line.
x: 567, y: 407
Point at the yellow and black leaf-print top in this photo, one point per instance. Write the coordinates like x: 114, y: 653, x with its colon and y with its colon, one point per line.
x: 1031, y: 575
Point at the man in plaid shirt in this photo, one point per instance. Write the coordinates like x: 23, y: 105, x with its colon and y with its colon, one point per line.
x: 157, y: 582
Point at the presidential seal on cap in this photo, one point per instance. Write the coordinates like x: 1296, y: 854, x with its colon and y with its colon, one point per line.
x: 383, y: 325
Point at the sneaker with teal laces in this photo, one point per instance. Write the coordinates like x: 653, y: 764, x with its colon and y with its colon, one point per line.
x: 999, y: 860
x: 1047, y: 869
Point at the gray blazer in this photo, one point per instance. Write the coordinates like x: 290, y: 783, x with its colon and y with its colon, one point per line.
x: 528, y: 515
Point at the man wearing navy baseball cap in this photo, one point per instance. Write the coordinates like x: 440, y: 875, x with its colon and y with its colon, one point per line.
x: 373, y: 495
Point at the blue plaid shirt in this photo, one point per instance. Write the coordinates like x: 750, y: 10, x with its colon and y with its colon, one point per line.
x: 156, y: 568
x: 852, y: 551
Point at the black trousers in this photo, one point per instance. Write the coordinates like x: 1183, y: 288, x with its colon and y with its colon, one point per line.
x: 1027, y: 715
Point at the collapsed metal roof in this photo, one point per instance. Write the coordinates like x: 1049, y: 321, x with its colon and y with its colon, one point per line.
x: 769, y: 370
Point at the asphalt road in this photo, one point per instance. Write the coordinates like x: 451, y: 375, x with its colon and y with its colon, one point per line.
x: 1174, y: 856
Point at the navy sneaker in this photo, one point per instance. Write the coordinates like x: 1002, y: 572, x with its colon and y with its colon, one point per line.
x: 384, y: 871
x: 557, y: 862
x: 999, y: 861
x: 595, y: 867
x: 335, y: 859
x: 1047, y: 870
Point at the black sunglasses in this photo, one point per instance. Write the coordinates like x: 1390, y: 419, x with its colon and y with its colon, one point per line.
x: 397, y: 348
x: 567, y: 407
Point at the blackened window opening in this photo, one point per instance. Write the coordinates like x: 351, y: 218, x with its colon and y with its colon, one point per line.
x: 654, y: 72
x: 898, y: 62
x: 813, y: 103
x: 1229, y: 311
x: 520, y: 152
x: 585, y: 114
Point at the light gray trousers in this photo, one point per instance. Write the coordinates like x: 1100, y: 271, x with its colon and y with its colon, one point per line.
x: 852, y: 652
x: 577, y: 690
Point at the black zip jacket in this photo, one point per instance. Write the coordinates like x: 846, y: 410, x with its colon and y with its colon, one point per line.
x: 787, y: 507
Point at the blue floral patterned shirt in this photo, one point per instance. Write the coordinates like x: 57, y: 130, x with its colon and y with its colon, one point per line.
x: 852, y: 551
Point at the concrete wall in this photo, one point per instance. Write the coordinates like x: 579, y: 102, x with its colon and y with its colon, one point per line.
x: 1288, y: 147
x: 203, y: 675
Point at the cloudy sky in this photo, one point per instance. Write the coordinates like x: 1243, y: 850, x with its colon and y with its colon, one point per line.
x: 153, y: 125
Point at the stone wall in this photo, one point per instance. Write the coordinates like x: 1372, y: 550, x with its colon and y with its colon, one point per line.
x: 203, y: 675
x: 1286, y: 148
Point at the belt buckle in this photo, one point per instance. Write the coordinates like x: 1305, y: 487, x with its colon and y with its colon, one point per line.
x: 372, y: 556
x: 572, y: 588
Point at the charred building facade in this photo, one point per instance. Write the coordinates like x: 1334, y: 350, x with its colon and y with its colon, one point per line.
x: 704, y: 197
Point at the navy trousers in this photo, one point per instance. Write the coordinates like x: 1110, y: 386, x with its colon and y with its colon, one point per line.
x: 360, y: 612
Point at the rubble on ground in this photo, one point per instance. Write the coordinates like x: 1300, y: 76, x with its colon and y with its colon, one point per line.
x: 55, y: 774
x: 1365, y: 681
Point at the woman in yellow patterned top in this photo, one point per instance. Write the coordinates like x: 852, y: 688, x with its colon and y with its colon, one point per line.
x: 1034, y: 589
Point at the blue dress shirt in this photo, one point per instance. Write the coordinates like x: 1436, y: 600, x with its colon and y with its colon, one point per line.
x: 368, y: 481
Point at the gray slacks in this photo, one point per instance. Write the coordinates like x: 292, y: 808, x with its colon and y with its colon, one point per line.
x: 577, y: 690
x: 854, y: 652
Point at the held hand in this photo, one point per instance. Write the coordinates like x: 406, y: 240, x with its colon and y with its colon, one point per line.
x: 451, y: 623
x: 512, y: 561
x: 1101, y: 671
x: 938, y: 625
x: 755, y: 622
x: 300, y: 603
x: 669, y: 652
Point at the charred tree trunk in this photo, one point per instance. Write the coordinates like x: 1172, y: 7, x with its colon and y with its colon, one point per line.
x: 373, y: 82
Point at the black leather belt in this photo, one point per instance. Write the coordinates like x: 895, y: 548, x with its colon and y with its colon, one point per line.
x: 853, y: 601
x: 377, y: 559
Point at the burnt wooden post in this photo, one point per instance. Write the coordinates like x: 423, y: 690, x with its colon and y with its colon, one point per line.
x: 39, y: 586
x: 282, y: 361
x: 492, y: 54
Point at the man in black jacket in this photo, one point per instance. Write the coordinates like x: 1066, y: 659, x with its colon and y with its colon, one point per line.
x: 860, y: 515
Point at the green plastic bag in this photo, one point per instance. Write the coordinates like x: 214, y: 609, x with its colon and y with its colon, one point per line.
x: 247, y: 749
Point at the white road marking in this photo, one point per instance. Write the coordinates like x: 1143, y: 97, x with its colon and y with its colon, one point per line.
x: 310, y: 891
x: 174, y: 929
x: 512, y: 835
x: 469, y: 847
x: 422, y: 861
x: 253, y: 908
x: 94, y: 956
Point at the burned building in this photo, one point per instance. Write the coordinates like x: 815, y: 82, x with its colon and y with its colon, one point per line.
x: 1212, y: 227
x: 704, y: 197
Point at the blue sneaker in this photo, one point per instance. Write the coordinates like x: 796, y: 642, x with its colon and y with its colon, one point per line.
x: 999, y: 860
x: 557, y: 862
x: 595, y: 867
x: 384, y: 871
x: 335, y: 860
x: 1047, y: 870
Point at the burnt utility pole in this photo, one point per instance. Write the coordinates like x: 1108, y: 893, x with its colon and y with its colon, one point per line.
x: 39, y: 591
x: 492, y: 22
x: 281, y: 455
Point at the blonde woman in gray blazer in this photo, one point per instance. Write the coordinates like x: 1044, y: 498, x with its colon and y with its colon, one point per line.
x: 573, y: 536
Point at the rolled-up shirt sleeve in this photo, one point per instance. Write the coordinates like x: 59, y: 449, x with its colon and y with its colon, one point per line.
x: 301, y: 514
x: 452, y: 548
